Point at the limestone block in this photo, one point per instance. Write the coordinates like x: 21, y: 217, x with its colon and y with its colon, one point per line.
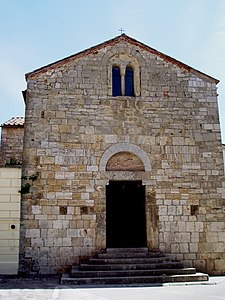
x: 163, y: 210
x: 182, y: 237
x: 45, y: 224
x: 206, y: 247
x: 222, y: 191
x: 66, y: 242
x: 41, y: 217
x: 175, y: 248
x: 200, y: 264
x: 181, y: 226
x: 219, y: 264
x: 52, y: 233
x: 190, y: 226
x: 64, y: 128
x: 193, y: 247
x: 92, y: 168
x: 178, y: 140
x: 77, y: 242
x: 60, y: 224
x: 184, y: 248
x: 32, y: 233
x: 221, y: 236
x: 37, y: 242
x: 179, y: 210
x: 171, y: 210
x: 208, y: 126
x: 219, y: 247
x: 70, y: 210
x: 217, y: 226
x: 36, y: 209
x: 72, y: 233
x: 47, y: 160
x: 212, y: 237
x: 110, y: 139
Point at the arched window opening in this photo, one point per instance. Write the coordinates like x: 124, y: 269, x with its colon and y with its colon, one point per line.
x: 129, y: 82
x: 116, y: 81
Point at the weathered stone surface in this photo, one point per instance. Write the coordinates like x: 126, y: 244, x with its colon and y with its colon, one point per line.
x: 124, y: 161
x: 75, y: 128
x: 11, y: 148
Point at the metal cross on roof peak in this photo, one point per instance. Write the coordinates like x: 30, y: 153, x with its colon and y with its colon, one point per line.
x: 121, y: 30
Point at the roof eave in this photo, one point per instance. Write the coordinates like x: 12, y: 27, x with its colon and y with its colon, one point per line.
x: 11, y: 126
x: 68, y: 58
x: 116, y: 40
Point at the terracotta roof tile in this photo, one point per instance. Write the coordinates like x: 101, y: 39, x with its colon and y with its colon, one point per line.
x: 14, y: 121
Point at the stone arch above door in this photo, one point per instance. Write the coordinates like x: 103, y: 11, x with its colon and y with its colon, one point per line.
x: 124, y: 161
x: 125, y: 148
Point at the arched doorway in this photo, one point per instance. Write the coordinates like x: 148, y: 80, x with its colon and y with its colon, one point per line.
x: 127, y: 165
x: 125, y: 203
x: 125, y: 214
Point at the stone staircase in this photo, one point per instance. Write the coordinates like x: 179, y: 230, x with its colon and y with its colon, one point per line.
x: 130, y: 266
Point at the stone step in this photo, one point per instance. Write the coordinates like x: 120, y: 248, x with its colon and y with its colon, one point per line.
x: 127, y: 254
x: 136, y: 280
x: 129, y: 260
x: 161, y: 265
x: 119, y: 266
x: 127, y: 250
x: 131, y: 273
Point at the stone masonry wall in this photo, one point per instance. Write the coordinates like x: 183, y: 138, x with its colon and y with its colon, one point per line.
x: 71, y: 121
x: 11, y: 144
x: 223, y: 146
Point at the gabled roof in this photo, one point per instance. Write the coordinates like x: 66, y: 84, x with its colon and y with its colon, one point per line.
x: 14, y: 121
x: 112, y: 42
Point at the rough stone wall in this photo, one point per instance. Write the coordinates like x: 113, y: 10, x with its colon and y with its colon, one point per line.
x: 71, y: 122
x: 11, y: 145
x: 223, y: 146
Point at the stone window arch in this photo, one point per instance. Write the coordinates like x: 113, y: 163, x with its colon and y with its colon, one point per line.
x: 129, y: 75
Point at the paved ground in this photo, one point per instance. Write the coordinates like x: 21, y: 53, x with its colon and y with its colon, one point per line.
x: 24, y: 289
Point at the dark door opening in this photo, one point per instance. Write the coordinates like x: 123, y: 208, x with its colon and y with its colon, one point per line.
x: 125, y: 214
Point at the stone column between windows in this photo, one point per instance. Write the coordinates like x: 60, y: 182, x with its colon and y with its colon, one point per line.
x: 122, y: 73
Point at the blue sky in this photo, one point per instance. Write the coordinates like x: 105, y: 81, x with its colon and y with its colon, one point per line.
x: 36, y: 33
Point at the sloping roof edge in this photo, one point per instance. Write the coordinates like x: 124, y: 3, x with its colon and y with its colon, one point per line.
x: 113, y: 41
x: 14, y: 122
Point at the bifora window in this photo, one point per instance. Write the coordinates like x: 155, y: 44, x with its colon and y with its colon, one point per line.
x: 122, y: 84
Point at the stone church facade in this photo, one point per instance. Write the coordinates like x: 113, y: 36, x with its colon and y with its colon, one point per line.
x: 122, y: 148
